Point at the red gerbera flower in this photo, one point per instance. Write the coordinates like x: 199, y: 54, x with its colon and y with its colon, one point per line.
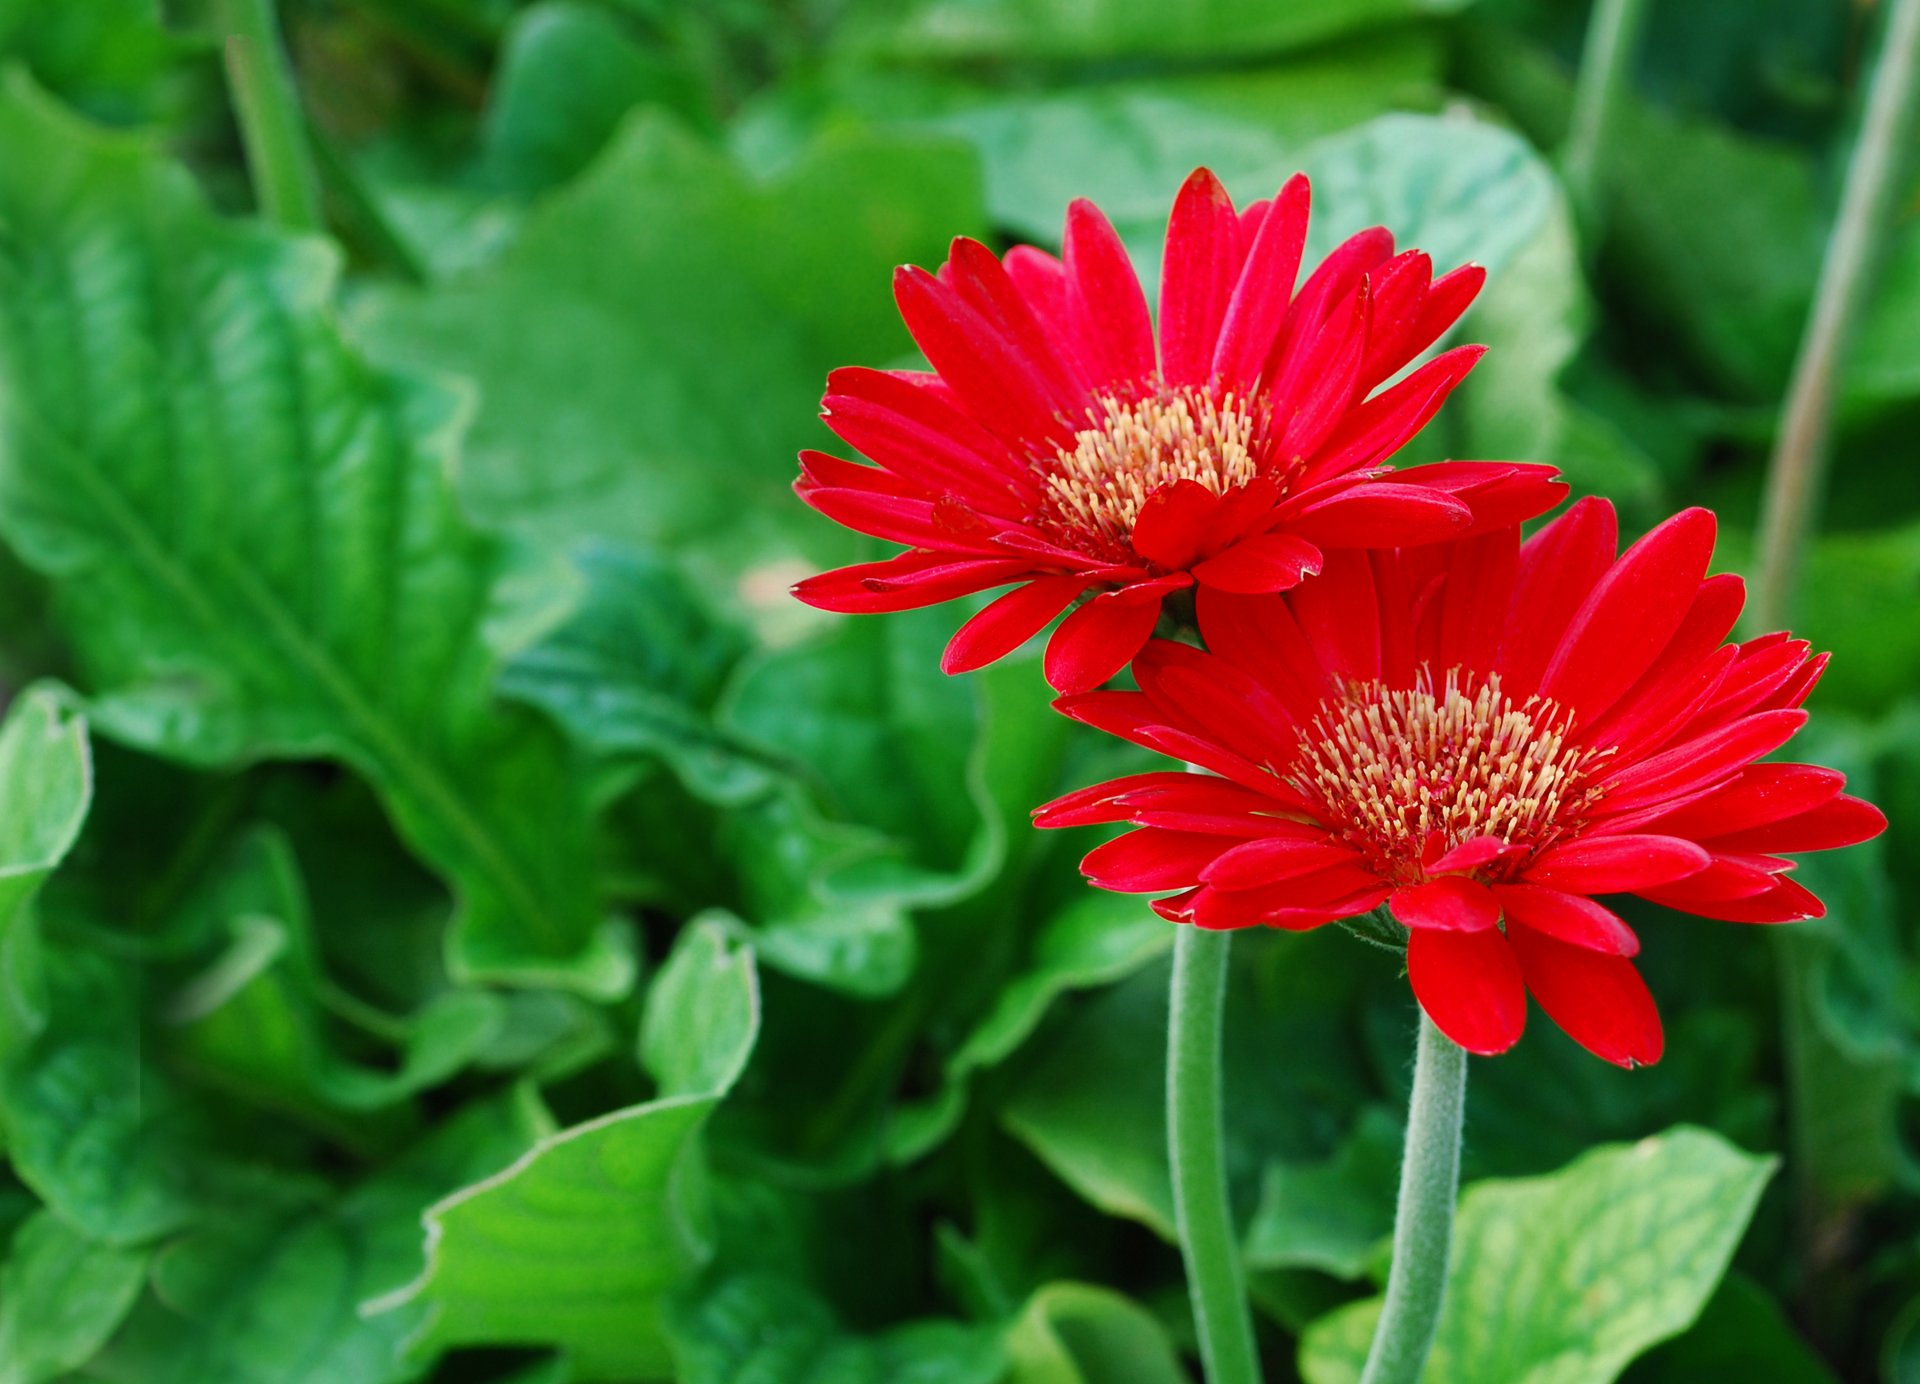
x: 1481, y: 735
x: 1055, y: 447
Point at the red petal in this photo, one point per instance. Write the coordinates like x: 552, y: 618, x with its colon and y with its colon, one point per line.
x: 1558, y: 568
x: 1173, y: 527
x: 1474, y: 604
x: 1845, y: 821
x: 1392, y: 418
x: 1572, y: 918
x: 1116, y: 332
x: 1381, y: 514
x: 1340, y: 613
x: 1469, y: 984
x: 1202, y: 261
x: 1599, y: 1000
x: 905, y: 582
x: 1617, y: 864
x: 993, y: 383
x: 1272, y: 859
x: 1784, y: 902
x: 1095, y: 642
x: 1149, y: 860
x: 1255, y: 566
x: 1399, y: 287
x: 1472, y: 854
x: 1631, y: 614
x: 1264, y: 289
x: 1008, y: 622
x: 1701, y: 760
x: 1453, y: 903
x: 982, y: 282
x: 1317, y: 379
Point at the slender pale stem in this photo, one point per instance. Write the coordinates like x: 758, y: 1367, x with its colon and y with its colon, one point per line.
x: 1423, y: 1222
x: 279, y: 157
x: 1799, y: 454
x: 1613, y: 35
x: 1197, y: 1144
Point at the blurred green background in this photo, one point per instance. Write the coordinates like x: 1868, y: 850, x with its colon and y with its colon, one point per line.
x: 420, y: 797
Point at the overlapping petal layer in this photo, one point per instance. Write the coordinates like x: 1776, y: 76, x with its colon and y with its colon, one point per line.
x: 1060, y: 446
x: 1483, y: 735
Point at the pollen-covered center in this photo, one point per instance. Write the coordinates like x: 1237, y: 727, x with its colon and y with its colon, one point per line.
x: 1093, y: 492
x: 1406, y: 774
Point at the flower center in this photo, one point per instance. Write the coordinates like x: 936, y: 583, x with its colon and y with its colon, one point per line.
x: 1407, y: 774
x: 1093, y: 493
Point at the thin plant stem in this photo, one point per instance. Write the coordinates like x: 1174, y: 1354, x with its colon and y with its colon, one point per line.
x: 1423, y: 1221
x: 1799, y: 455
x: 1613, y: 36
x: 1196, y: 1143
x: 279, y: 156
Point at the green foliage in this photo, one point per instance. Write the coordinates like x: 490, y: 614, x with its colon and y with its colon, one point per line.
x: 460, y: 919
x: 1571, y: 1275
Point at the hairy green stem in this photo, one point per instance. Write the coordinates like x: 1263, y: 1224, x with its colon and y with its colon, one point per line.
x: 279, y: 156
x: 1197, y: 1145
x: 1613, y: 35
x: 1799, y: 454
x: 1423, y: 1222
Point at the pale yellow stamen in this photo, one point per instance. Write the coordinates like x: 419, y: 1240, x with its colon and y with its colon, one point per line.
x: 1095, y: 491
x: 1402, y: 771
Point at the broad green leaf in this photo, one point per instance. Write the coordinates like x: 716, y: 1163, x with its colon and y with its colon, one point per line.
x: 1331, y: 1216
x: 1098, y: 939
x: 256, y: 1017
x: 758, y: 1326
x: 252, y: 537
x: 890, y: 744
x: 578, y: 1243
x: 673, y: 322
x: 62, y: 1294
x: 111, y: 58
x: 1239, y: 29
x: 1125, y: 143
x: 1741, y: 1334
x: 1093, y: 1106
x: 567, y: 74
x: 267, y: 1288
x: 46, y: 777
x: 638, y: 669
x: 1565, y: 1278
x: 1078, y: 1333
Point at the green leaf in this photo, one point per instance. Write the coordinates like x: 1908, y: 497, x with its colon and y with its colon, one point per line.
x: 1125, y: 142
x: 267, y: 1288
x: 578, y: 1243
x: 890, y: 745
x: 1093, y: 1106
x: 46, y: 775
x: 1079, y: 1333
x: 256, y: 1017
x: 758, y: 1326
x: 1330, y: 1216
x: 638, y: 669
x: 1742, y: 1334
x: 567, y: 74
x: 252, y: 538
x: 1240, y: 29
x: 686, y: 316
x: 61, y: 1295
x: 1098, y: 939
x: 1569, y: 1276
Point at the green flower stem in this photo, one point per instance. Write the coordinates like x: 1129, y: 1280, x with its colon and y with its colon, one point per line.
x: 272, y: 128
x: 1423, y: 1222
x: 1196, y: 1143
x: 1613, y: 35
x: 1799, y: 455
